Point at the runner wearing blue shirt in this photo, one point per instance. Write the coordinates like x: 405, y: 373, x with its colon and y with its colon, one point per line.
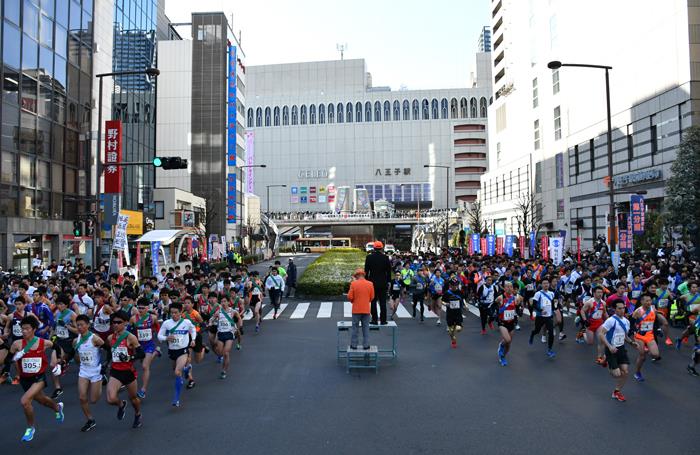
x: 543, y: 305
x: 436, y: 288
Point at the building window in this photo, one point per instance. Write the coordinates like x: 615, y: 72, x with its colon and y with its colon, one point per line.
x: 453, y: 108
x: 426, y: 109
x: 160, y: 209
x: 591, y: 148
x: 250, y: 118
x: 348, y: 113
x: 577, y: 161
x: 302, y: 114
x: 434, y: 109
x: 258, y: 117
x: 443, y: 108
x: 285, y: 116
x: 340, y: 109
x: 368, y: 111
x: 538, y: 177
x: 377, y: 111
x: 416, y: 110
x: 276, y: 116
x: 321, y: 114
x: 267, y: 116
x: 463, y: 108
x: 358, y: 112
x: 472, y: 108
x: 312, y: 114
x: 397, y: 110
x: 406, y: 108
x: 559, y: 162
x: 387, y: 111
x: 295, y: 116
x: 483, y: 107
x: 536, y: 128
x: 560, y: 209
x: 630, y: 146
x: 535, y: 95
x: 557, y: 123
x: 498, y: 154
x: 555, y: 81
x: 654, y: 142
x: 331, y: 113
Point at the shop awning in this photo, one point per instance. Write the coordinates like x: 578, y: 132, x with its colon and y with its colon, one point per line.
x: 164, y: 236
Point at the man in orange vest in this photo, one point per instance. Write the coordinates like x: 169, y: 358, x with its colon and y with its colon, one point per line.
x: 361, y: 294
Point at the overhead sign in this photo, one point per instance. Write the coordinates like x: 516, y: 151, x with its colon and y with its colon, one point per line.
x: 621, y: 181
x: 312, y: 174
x: 388, y: 172
x: 113, y: 156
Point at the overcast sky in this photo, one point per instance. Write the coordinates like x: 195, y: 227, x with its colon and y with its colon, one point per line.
x: 417, y: 43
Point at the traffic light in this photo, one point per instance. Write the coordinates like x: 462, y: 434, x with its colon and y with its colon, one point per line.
x: 169, y: 162
x: 78, y: 228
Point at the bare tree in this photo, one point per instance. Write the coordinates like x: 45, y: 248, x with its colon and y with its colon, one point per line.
x: 528, y: 214
x: 475, y: 219
x: 210, y: 216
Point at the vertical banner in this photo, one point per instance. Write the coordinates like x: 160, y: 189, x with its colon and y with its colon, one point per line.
x: 138, y: 257
x: 491, y: 245
x: 231, y: 199
x: 578, y: 249
x: 113, y: 156
x: 557, y: 247
x: 523, y: 251
x: 533, y: 244
x: 250, y: 161
x: 544, y: 247
x: 499, y: 246
x: 155, y: 254
x: 625, y: 238
x: 120, y: 241
x: 469, y: 246
x: 637, y: 211
x: 205, y: 249
x: 510, y: 239
x: 231, y: 113
x: 475, y: 243
x: 483, y: 246
x: 190, y: 248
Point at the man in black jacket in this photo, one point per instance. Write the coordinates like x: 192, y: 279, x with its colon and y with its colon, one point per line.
x: 291, y: 278
x: 378, y: 271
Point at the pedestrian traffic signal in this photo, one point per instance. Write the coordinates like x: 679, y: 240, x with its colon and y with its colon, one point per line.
x: 78, y: 228
x: 169, y: 162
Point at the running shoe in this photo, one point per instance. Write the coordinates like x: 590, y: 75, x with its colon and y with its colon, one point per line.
x: 137, y: 421
x: 89, y: 425
x: 414, y: 311
x: 257, y: 328
x: 59, y: 413
x: 222, y: 375
x: 121, y: 410
x: 454, y: 343
x: 692, y: 371
x: 141, y: 394
x: 491, y: 325
x: 530, y: 340
x: 504, y: 362
x: 15, y: 381
x: 517, y: 327
x: 638, y: 377
x: 501, y: 353
x: 4, y: 378
x: 57, y: 393
x: 601, y: 361
x: 191, y: 384
x: 438, y: 322
x: 422, y: 319
x: 668, y: 342
x: 176, y: 404
x: 238, y: 346
x: 544, y: 338
x: 274, y: 316
x: 617, y: 395
x: 483, y: 331
x: 220, y: 359
x: 28, y: 434
x: 678, y: 344
x: 551, y: 354
x: 562, y: 336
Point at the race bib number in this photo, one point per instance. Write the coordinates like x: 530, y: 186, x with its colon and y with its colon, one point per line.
x: 663, y: 303
x: 569, y: 288
x: 509, y: 315
x: 646, y: 326
x: 530, y: 287
x: 396, y: 287
x: 179, y: 339
x: 145, y: 334
x: 618, y: 339
x: 256, y: 291
x: 31, y: 364
x: 61, y: 332
x: 454, y: 304
x: 598, y: 314
x: 101, y: 325
x: 547, y: 309
x: 636, y: 294
x: 224, y: 325
x: 116, y: 352
x: 419, y: 286
x: 87, y: 358
x: 17, y: 330
x: 438, y: 288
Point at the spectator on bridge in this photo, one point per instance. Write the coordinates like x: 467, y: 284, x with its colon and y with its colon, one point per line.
x: 291, y: 278
x: 361, y: 293
x: 378, y: 271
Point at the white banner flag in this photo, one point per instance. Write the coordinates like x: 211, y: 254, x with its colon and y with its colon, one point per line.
x: 120, y: 242
x: 556, y: 247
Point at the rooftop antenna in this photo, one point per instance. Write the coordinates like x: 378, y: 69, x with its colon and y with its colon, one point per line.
x: 341, y: 48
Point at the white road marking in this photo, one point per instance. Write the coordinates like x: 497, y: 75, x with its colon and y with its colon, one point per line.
x: 272, y: 311
x: 324, y: 311
x: 300, y: 311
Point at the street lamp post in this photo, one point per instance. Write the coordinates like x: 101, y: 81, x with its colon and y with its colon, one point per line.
x: 267, y: 208
x: 97, y: 231
x: 447, y: 201
x: 611, y: 188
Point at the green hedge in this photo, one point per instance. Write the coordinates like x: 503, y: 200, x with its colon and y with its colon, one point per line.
x: 330, y: 274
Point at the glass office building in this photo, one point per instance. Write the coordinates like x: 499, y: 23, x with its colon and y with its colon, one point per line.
x: 46, y: 108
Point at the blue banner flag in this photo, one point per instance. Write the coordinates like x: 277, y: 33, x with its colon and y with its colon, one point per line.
x: 491, y: 245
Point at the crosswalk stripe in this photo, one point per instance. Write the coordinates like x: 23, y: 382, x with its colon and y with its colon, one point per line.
x: 402, y: 312
x: 250, y: 315
x: 347, y: 310
x: 272, y: 311
x: 429, y: 313
x: 300, y: 311
x: 324, y: 311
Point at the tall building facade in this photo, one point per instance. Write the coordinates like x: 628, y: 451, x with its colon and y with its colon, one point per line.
x: 321, y: 126
x: 201, y: 103
x: 45, y: 160
x: 548, y: 127
x: 484, y: 44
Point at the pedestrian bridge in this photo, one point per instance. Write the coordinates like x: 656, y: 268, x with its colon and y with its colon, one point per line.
x: 348, y: 220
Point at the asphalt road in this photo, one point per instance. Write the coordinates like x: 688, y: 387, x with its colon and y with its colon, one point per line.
x: 286, y: 393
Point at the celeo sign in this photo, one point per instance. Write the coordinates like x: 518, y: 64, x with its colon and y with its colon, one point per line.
x: 312, y: 174
x: 621, y: 181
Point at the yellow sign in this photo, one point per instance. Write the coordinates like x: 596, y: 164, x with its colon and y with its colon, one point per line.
x: 135, y: 226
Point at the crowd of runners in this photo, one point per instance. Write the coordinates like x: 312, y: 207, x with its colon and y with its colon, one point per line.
x: 108, y: 330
